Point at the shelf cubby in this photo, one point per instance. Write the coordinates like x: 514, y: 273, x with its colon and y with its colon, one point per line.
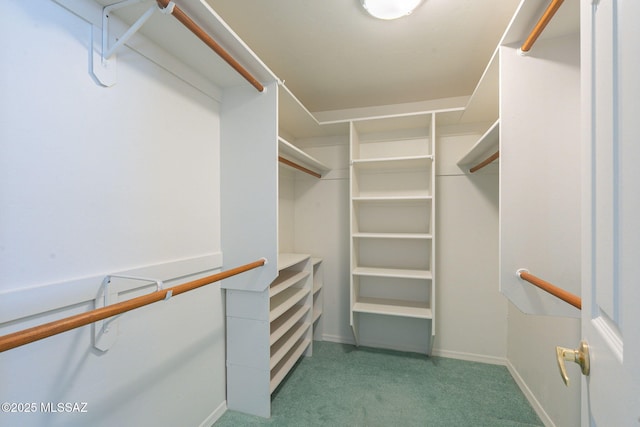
x: 287, y: 362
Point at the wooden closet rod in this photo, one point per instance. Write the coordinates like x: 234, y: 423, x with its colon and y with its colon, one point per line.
x: 540, y: 26
x: 297, y: 166
x: 485, y: 162
x: 36, y: 333
x: 557, y: 292
x: 202, y: 35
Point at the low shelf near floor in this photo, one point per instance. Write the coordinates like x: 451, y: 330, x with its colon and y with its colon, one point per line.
x: 268, y: 332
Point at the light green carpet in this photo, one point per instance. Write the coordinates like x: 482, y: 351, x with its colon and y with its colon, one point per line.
x: 342, y: 385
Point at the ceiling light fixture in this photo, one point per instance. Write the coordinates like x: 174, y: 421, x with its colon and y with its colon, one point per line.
x: 390, y: 9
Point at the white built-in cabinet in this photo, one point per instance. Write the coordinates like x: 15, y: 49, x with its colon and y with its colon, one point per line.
x: 539, y: 179
x: 392, y: 214
x: 270, y: 329
x: 268, y: 332
x: 540, y: 168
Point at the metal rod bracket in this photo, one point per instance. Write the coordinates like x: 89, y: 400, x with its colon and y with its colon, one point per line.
x: 103, y: 64
x: 105, y: 332
x: 168, y: 10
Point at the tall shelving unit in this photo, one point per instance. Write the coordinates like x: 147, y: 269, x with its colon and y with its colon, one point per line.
x: 269, y: 330
x: 392, y: 214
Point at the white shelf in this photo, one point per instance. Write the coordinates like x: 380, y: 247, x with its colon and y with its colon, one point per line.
x: 317, y: 287
x: 282, y: 369
x: 285, y: 280
x: 424, y: 236
x: 281, y: 347
x: 285, y: 300
x: 286, y: 260
x: 316, y: 315
x: 408, y: 162
x: 392, y: 272
x: 295, y: 121
x: 296, y: 155
x: 392, y: 197
x: 282, y: 324
x: 483, y: 103
x: 391, y: 307
x: 397, y: 123
x: 486, y: 146
x: 168, y: 33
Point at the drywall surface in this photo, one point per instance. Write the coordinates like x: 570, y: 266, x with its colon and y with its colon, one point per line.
x: 97, y: 181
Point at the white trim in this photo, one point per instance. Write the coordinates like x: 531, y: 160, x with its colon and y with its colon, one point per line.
x: 215, y: 415
x: 542, y: 414
x: 338, y: 339
x: 441, y: 105
x: 22, y: 303
x: 470, y: 357
x: 342, y: 340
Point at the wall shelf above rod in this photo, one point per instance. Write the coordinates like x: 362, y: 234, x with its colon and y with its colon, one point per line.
x: 484, y: 152
x: 185, y: 20
x: 162, y: 32
x: 485, y: 162
x: 292, y: 156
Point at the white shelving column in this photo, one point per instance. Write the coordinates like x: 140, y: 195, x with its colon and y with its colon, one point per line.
x: 392, y: 219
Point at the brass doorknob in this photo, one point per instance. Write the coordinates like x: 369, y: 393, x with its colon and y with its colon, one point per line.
x: 579, y: 356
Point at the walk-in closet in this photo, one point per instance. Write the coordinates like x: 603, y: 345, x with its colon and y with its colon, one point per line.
x: 187, y: 221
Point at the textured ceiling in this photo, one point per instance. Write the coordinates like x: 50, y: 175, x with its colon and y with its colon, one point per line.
x: 333, y: 56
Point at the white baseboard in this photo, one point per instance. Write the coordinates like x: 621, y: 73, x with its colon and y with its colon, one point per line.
x: 471, y: 357
x: 408, y: 349
x: 215, y: 415
x: 350, y: 340
x: 542, y: 414
x: 338, y: 339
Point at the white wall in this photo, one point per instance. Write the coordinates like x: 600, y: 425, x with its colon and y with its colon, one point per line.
x: 286, y: 205
x: 96, y: 181
x: 471, y: 312
x: 321, y: 220
x: 532, y: 342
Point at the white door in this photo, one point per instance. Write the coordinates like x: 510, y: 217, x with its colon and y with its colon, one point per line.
x: 611, y: 259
